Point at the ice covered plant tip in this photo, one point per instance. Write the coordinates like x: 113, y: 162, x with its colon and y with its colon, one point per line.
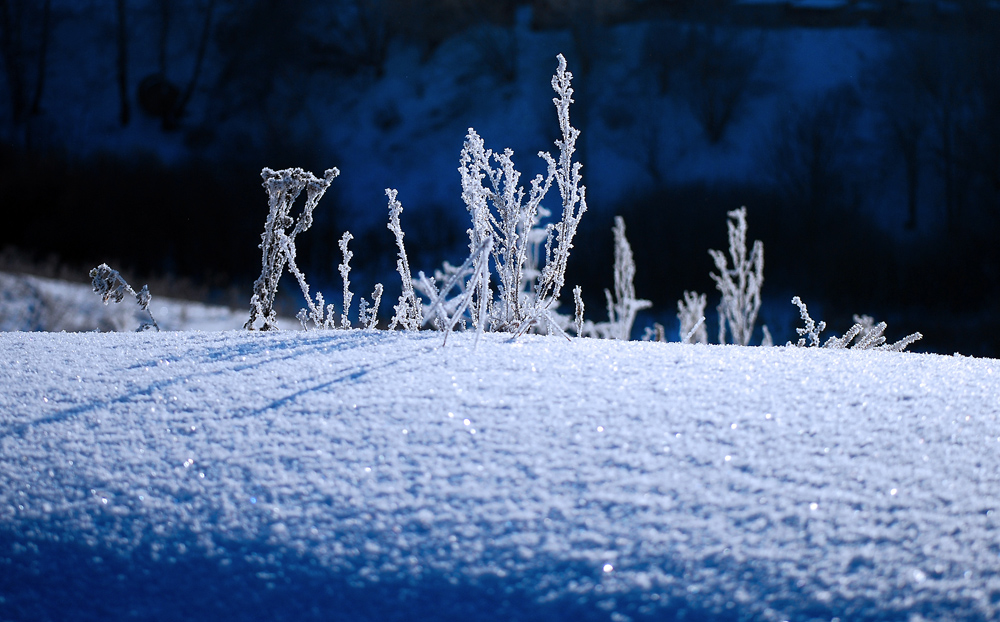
x: 691, y: 315
x: 111, y: 287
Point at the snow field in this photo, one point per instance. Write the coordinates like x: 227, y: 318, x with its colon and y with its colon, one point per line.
x: 376, y: 475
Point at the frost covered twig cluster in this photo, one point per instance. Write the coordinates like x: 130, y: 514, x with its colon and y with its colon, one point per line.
x: 112, y: 287
x: 868, y: 334
x: 278, y: 240
x: 278, y: 252
x: 506, y: 220
x: 512, y: 223
x: 323, y: 315
x: 739, y: 285
x: 446, y: 313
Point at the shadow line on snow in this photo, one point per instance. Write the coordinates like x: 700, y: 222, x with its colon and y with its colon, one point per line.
x: 313, y: 347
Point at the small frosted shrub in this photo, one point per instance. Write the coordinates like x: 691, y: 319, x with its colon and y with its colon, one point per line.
x: 656, y: 333
x: 529, y: 259
x: 111, y: 287
x: 740, y: 285
x: 367, y: 314
x: 868, y: 335
x: 278, y: 240
x: 811, y: 330
x: 623, y: 307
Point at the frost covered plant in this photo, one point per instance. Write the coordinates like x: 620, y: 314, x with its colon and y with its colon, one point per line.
x: 811, y: 330
x: 868, y: 335
x: 739, y: 285
x: 623, y: 307
x: 323, y: 315
x: 368, y: 314
x: 278, y: 252
x: 409, y: 313
x: 579, y: 310
x: 345, y: 271
x: 278, y: 241
x: 529, y: 259
x: 691, y: 313
x: 656, y: 333
x: 111, y: 287
x: 446, y: 313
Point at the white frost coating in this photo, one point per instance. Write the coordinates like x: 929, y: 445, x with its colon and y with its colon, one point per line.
x: 409, y: 312
x: 109, y: 284
x: 869, y: 334
x: 278, y: 244
x: 623, y: 307
x: 691, y: 314
x: 378, y: 473
x: 739, y: 285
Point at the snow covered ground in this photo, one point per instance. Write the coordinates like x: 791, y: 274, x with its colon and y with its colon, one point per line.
x: 363, y: 475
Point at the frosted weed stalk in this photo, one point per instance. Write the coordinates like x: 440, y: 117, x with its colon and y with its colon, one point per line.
x: 739, y: 285
x: 409, y: 312
x: 691, y: 315
x: 112, y: 287
x: 622, y: 305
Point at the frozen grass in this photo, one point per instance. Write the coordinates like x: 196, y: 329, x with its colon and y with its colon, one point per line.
x: 373, y: 475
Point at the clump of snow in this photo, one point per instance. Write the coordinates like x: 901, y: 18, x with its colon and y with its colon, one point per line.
x: 371, y: 475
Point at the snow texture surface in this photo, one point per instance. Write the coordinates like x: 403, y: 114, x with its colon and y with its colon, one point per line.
x: 364, y: 475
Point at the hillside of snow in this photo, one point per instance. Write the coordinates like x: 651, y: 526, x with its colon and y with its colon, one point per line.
x: 32, y: 303
x: 372, y: 475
